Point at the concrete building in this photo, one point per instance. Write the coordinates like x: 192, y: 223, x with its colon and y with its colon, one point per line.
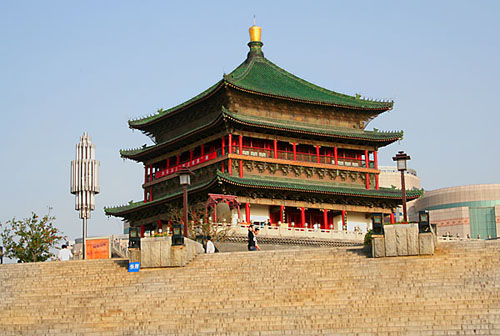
x: 468, y: 211
x: 390, y: 177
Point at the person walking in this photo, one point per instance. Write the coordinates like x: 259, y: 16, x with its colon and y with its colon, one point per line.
x: 251, y: 238
x: 255, y: 234
x: 210, y: 245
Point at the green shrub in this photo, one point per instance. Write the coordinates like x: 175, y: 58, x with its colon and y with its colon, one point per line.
x: 368, y: 237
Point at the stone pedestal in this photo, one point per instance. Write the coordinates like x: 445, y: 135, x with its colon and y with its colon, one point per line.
x: 178, y: 256
x: 426, y: 243
x: 159, y: 252
x: 378, y: 246
x: 402, y: 240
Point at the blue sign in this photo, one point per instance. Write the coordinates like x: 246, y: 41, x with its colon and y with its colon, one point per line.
x: 134, y: 266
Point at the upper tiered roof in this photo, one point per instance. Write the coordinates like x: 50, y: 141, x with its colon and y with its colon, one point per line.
x: 257, y: 75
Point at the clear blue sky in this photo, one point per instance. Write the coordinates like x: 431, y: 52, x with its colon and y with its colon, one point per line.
x: 72, y: 66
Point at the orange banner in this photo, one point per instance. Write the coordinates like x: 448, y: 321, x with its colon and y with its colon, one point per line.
x: 97, y: 248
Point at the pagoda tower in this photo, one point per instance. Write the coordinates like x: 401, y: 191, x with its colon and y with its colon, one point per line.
x: 290, y: 151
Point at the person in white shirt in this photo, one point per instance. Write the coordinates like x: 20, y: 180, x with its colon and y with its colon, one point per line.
x: 210, y: 245
x: 64, y: 254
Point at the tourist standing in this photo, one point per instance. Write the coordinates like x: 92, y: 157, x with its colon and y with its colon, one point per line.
x: 64, y: 254
x: 210, y: 245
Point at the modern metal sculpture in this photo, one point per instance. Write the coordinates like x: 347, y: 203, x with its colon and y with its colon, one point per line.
x: 85, y: 181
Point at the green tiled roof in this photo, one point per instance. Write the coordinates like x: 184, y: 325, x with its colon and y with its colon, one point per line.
x: 377, y: 136
x: 118, y: 210
x: 260, y: 76
x: 267, y: 182
x: 161, y: 112
x: 257, y: 74
x: 129, y: 153
x: 310, y: 128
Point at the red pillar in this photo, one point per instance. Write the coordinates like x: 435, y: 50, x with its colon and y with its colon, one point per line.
x: 151, y: 194
x: 375, y: 159
x: 229, y: 151
x: 223, y: 166
x: 178, y: 159
x: 393, y: 218
x: 241, y: 144
x: 150, y: 173
x: 247, y: 212
x: 223, y: 145
x: 335, y: 155
x: 160, y: 224
x: 343, y: 220
x: 168, y: 163
x: 325, y: 219
x: 191, y: 155
x: 282, y: 210
x: 145, y: 195
x: 241, y: 168
x: 275, y: 149
x: 367, y: 161
x: 142, y: 230
x: 202, y: 150
x: 294, y: 152
x: 302, y: 217
x: 317, y: 152
x: 145, y: 174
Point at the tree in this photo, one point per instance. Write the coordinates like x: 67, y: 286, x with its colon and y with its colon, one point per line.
x: 198, y: 223
x: 30, y: 239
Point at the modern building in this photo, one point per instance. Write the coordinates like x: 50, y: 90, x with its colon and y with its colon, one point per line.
x: 390, y: 177
x: 466, y: 211
x: 290, y: 151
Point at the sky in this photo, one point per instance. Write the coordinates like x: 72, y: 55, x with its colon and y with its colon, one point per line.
x: 72, y: 66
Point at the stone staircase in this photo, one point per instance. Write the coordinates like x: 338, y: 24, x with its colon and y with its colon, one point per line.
x: 328, y: 291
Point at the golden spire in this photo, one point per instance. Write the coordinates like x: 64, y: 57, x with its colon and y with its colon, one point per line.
x: 255, y: 32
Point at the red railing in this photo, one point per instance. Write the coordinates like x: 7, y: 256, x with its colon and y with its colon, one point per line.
x: 266, y: 153
x: 191, y: 163
x: 303, y: 157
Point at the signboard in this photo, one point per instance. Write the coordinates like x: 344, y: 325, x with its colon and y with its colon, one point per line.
x: 134, y: 267
x: 98, y: 248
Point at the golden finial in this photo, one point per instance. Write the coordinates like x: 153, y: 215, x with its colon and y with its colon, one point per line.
x: 255, y: 32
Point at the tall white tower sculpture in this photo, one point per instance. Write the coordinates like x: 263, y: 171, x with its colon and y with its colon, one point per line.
x: 85, y: 181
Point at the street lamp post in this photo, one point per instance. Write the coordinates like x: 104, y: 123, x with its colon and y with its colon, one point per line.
x: 401, y: 159
x: 185, y: 181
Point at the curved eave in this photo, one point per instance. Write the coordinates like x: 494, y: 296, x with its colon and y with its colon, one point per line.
x: 245, y: 182
x: 142, y: 154
x: 143, y: 123
x: 384, y: 141
x: 314, y: 102
x: 121, y: 211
